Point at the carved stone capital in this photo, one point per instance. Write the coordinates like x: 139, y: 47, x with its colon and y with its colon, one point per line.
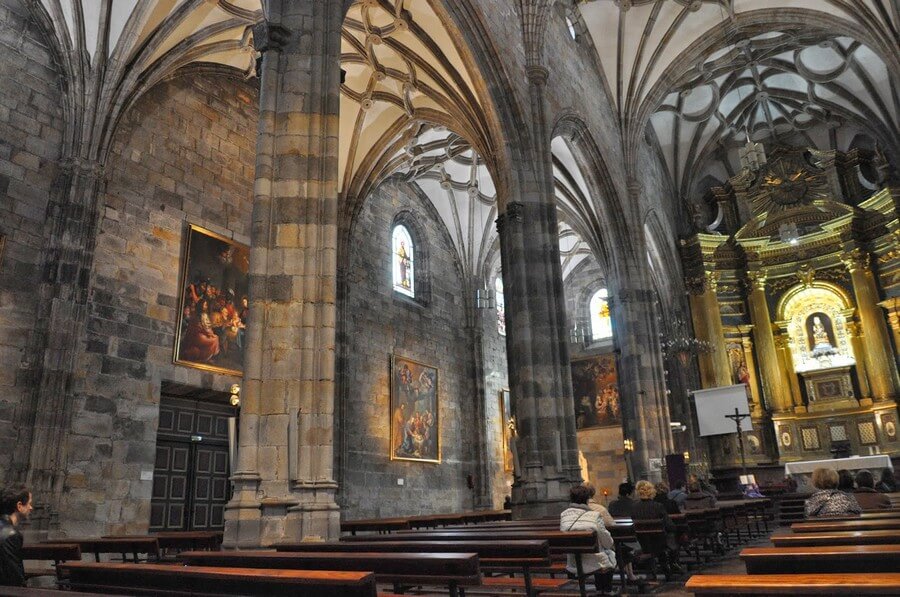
x: 857, y: 260
x: 270, y: 36
x: 537, y: 75
x: 756, y: 280
x: 806, y: 275
x: 514, y: 214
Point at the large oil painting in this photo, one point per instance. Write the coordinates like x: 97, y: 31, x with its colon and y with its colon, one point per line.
x: 508, y: 426
x: 212, y: 318
x: 415, y: 417
x: 596, y: 390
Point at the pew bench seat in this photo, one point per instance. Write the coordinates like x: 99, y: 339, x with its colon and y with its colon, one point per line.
x: 726, y: 585
x: 822, y: 559
x: 182, y: 581
x: 882, y: 537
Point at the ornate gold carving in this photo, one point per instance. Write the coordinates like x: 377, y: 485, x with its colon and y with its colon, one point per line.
x: 756, y: 280
x: 806, y: 274
x: 699, y: 284
x: 857, y: 260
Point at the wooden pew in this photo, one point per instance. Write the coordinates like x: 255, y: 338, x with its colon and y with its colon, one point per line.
x: 57, y: 552
x: 884, y: 537
x: 576, y: 543
x: 824, y: 525
x: 867, y: 515
x: 123, y: 547
x: 495, y: 556
x: 182, y: 581
x: 451, y: 570
x: 726, y: 585
x: 378, y: 525
x: 29, y: 592
x: 821, y: 559
x: 179, y: 541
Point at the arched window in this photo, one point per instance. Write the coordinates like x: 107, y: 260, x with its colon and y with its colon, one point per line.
x: 601, y: 323
x: 403, y: 251
x: 501, y: 305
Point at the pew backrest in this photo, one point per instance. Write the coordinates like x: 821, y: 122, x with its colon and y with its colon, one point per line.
x: 821, y: 559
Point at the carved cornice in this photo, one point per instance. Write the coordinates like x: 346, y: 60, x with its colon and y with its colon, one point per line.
x: 857, y: 259
x: 756, y: 280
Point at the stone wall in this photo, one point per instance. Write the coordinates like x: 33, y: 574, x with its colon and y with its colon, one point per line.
x: 184, y: 154
x: 495, y: 380
x: 381, y: 323
x: 31, y: 132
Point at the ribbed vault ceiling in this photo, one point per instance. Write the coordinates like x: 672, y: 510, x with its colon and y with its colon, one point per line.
x: 759, y: 78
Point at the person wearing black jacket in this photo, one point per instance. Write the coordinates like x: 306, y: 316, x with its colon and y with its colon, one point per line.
x: 15, y: 506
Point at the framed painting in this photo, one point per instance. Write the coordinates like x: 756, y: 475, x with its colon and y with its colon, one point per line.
x: 212, y: 317
x: 415, y: 413
x: 506, y: 429
x: 596, y: 391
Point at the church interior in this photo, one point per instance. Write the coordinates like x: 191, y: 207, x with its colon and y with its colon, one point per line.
x: 292, y: 273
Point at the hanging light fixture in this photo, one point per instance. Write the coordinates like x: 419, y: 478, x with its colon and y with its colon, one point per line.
x: 680, y: 344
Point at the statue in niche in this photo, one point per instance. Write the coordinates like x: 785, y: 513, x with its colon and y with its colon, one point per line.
x: 820, y: 334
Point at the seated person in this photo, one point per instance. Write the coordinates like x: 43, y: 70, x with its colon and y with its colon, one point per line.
x: 752, y: 491
x: 678, y: 495
x: 662, y: 496
x: 845, y: 481
x: 621, y: 507
x: 887, y: 484
x: 865, y: 493
x: 598, y: 507
x: 697, y: 499
x: 579, y: 517
x: 646, y: 508
x: 829, y: 500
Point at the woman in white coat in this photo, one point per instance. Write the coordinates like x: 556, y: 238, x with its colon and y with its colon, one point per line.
x: 579, y: 517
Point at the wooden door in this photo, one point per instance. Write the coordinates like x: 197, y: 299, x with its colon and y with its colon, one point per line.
x: 190, y: 477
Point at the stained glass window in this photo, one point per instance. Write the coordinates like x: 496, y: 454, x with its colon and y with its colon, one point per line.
x: 601, y: 323
x: 501, y: 306
x: 404, y: 261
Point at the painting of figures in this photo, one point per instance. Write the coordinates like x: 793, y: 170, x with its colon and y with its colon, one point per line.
x: 596, y: 391
x: 415, y: 417
x: 212, y: 318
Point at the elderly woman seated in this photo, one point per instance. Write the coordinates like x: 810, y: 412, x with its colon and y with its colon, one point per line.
x: 579, y: 517
x: 829, y: 500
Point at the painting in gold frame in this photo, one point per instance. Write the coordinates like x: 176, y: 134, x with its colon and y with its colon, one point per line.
x: 506, y: 429
x: 415, y: 412
x: 211, y: 326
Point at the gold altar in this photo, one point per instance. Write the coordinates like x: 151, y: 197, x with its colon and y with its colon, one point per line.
x: 797, y: 289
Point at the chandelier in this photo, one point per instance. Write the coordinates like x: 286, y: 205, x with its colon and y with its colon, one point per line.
x: 680, y: 343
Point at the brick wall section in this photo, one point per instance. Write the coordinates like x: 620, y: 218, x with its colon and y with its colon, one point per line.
x: 31, y: 131
x: 184, y: 154
x: 435, y: 334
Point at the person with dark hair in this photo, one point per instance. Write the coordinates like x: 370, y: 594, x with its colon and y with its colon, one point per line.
x: 865, y: 493
x: 662, y: 496
x: 697, y: 499
x: 622, y: 506
x: 579, y: 517
x: 15, y: 506
x: 677, y: 495
x: 845, y: 480
x: 598, y: 507
x: 887, y: 484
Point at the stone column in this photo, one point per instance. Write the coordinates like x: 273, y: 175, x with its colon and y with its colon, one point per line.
x: 39, y: 459
x: 756, y: 405
x: 644, y: 403
x: 892, y: 307
x: 284, y: 483
x: 537, y: 344
x: 854, y: 329
x: 773, y: 388
x: 880, y: 363
x: 483, y: 496
x: 715, y: 370
x: 791, y: 381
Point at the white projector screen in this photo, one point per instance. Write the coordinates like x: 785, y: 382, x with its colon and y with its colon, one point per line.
x: 715, y: 403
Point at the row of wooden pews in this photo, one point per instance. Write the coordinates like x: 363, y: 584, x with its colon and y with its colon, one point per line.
x: 834, y: 556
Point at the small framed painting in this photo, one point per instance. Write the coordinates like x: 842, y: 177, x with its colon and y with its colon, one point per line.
x: 596, y: 389
x: 415, y: 412
x: 211, y: 329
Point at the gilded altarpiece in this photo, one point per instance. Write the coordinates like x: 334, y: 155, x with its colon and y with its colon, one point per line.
x: 794, y: 299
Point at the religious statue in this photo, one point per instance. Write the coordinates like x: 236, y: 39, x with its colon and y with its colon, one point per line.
x: 819, y: 337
